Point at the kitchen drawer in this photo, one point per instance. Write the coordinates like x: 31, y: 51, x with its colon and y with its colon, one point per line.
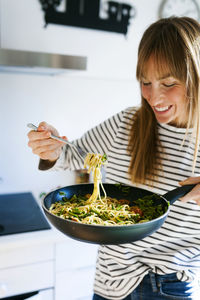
x: 25, y: 255
x: 27, y: 278
x: 75, y: 285
x: 74, y: 254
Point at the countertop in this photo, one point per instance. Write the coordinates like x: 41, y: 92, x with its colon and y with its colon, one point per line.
x: 32, y: 238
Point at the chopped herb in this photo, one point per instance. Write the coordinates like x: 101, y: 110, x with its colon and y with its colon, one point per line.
x: 62, y: 193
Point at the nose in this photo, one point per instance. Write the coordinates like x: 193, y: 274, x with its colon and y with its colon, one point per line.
x: 155, y: 96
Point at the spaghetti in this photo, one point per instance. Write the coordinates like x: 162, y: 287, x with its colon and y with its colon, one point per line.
x: 94, y: 209
x: 94, y: 163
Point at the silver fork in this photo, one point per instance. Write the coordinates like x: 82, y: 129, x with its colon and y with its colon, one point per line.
x: 80, y: 151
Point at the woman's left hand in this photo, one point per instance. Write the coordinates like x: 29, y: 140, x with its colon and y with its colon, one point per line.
x: 194, y: 194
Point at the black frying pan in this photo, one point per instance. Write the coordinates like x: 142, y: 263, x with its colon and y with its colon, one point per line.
x: 98, y: 234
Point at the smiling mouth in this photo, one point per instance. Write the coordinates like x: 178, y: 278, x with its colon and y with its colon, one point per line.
x: 162, y: 109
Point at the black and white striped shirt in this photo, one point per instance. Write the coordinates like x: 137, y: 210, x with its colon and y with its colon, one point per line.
x: 175, y: 247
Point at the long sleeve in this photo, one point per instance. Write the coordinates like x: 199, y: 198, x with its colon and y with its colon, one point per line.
x: 97, y: 140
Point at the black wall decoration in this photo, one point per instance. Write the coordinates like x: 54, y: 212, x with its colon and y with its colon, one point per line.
x: 85, y: 14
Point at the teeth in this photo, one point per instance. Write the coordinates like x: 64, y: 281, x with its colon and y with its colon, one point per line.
x: 161, y: 108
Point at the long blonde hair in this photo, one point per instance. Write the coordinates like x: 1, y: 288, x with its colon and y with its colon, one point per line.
x: 173, y: 42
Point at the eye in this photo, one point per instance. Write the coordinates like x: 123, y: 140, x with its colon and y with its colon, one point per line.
x: 146, y: 83
x: 169, y: 85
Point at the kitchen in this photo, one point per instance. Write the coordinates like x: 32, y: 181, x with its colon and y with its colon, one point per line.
x: 72, y: 101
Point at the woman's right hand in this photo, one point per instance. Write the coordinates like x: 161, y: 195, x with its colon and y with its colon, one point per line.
x: 43, y: 145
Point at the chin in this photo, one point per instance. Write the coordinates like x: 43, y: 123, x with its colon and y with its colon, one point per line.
x: 164, y: 120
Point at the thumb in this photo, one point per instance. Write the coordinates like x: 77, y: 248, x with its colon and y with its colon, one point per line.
x: 43, y: 126
x: 190, y: 180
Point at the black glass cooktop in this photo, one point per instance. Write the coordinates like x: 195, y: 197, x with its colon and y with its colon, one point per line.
x: 20, y: 213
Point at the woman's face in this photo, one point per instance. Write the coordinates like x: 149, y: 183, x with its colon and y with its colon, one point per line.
x: 166, y: 95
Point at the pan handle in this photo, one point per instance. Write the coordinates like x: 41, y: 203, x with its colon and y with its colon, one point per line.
x: 179, y: 192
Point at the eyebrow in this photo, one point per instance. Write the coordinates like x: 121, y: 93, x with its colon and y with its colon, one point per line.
x: 162, y: 77
x: 165, y: 76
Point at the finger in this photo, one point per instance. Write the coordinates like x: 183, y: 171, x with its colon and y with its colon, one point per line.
x: 50, y: 155
x: 50, y: 147
x: 36, y: 135
x: 45, y: 144
x: 44, y: 126
x: 39, y: 146
x: 47, y: 153
x: 198, y: 202
x: 194, y: 195
x: 190, y: 180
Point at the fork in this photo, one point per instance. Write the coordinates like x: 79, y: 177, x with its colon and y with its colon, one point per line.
x: 80, y: 151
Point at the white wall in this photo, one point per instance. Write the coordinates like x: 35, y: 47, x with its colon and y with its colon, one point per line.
x: 72, y: 105
x: 110, y: 55
x: 72, y: 102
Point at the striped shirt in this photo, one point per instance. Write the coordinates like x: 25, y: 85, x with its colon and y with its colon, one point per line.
x: 175, y: 247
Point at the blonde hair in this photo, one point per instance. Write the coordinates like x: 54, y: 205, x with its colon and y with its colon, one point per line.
x: 173, y: 42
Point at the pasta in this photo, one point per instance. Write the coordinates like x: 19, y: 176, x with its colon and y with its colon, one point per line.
x: 106, y: 211
x: 94, y: 163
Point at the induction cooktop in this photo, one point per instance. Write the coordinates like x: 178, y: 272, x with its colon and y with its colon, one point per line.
x: 20, y: 213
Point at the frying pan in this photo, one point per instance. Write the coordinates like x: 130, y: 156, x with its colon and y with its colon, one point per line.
x: 119, y: 234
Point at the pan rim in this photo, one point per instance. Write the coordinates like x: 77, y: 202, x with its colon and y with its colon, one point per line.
x: 102, y: 226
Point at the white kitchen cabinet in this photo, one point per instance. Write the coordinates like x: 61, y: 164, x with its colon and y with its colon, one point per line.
x: 26, y: 269
x: 75, y: 284
x: 26, y: 255
x: 49, y: 263
x: 23, y: 279
x: 75, y: 270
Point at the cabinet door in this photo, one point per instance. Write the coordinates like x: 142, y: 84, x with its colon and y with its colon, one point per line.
x: 75, y: 285
x: 73, y: 255
x: 25, y: 255
x: 75, y: 269
x: 23, y: 279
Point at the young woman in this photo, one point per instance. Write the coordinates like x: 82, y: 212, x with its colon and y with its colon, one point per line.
x: 156, y: 147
